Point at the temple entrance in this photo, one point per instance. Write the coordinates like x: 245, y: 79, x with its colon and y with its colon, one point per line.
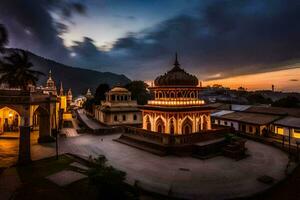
x: 9, y: 120
x: 187, y: 127
x: 42, y: 122
x: 160, y: 127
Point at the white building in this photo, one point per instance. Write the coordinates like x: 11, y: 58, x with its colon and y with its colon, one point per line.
x: 118, y: 109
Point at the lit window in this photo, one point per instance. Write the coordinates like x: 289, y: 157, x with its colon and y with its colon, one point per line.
x: 296, y: 133
x: 280, y: 130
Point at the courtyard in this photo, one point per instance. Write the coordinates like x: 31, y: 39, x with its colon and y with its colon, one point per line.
x: 215, y: 178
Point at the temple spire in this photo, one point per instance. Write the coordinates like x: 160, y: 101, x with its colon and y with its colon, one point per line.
x: 61, y: 90
x: 176, y: 63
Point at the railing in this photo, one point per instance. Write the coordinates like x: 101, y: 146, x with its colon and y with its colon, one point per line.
x: 168, y: 139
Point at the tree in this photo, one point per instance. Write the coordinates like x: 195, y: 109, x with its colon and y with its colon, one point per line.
x: 139, y: 91
x: 258, y: 99
x: 109, y: 182
x: 287, y: 102
x: 16, y: 71
x: 3, y: 37
x: 100, y: 92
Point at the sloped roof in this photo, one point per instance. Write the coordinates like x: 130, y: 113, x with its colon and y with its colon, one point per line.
x: 295, y: 112
x: 293, y: 122
x: 251, y: 118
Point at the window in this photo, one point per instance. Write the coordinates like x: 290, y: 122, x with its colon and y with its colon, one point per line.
x: 297, y: 131
x: 250, y: 129
x: 280, y: 130
x: 134, y: 117
x: 225, y: 123
x: 115, y: 118
x: 113, y: 97
x: 124, y: 117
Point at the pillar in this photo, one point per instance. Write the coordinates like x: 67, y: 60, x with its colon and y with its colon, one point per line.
x: 45, y: 129
x: 24, y: 145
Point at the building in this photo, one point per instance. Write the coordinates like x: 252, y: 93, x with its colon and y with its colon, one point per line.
x: 288, y: 126
x: 89, y: 94
x: 251, y: 123
x: 118, y: 109
x: 50, y: 87
x: 176, y: 108
x: 40, y: 108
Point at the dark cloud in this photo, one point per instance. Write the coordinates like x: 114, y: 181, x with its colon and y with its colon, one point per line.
x: 226, y: 37
x: 31, y: 26
x: 223, y: 37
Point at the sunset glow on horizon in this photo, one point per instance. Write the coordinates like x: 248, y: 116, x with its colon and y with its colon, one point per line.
x: 283, y: 80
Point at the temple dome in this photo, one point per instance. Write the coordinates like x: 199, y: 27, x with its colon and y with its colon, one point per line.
x: 119, y: 89
x: 176, y: 77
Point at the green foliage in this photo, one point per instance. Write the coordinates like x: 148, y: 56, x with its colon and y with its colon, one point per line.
x: 288, y: 102
x: 100, y: 92
x: 139, y: 91
x: 16, y: 71
x: 109, y: 182
x: 89, y: 104
x: 258, y: 99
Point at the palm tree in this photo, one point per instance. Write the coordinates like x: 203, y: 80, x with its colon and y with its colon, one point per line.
x: 3, y: 37
x: 16, y: 71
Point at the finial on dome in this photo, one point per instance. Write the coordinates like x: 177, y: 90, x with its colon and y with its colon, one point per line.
x: 176, y: 63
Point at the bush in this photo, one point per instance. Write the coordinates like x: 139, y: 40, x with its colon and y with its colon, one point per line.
x: 109, y: 181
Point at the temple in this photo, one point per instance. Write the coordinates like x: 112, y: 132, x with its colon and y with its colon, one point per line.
x: 176, y: 121
x: 118, y: 109
x: 176, y: 108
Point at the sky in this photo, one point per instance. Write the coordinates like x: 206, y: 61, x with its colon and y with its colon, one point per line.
x: 217, y: 40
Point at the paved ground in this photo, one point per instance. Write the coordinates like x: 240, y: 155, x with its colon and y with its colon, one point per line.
x: 216, y: 178
x: 88, y: 122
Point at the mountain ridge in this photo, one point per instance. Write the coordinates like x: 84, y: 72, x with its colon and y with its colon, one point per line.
x: 78, y: 79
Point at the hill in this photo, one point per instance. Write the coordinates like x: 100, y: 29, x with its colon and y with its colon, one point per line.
x: 76, y: 78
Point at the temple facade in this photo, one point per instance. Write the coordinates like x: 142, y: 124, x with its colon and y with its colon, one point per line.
x: 118, y: 109
x: 176, y: 108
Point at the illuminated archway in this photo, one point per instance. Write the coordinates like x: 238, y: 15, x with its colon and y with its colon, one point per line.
x: 187, y: 126
x: 9, y: 119
x: 160, y: 126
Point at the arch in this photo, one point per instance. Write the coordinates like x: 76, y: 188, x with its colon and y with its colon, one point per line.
x: 160, y: 125
x: 44, y: 122
x: 10, y: 119
x: 192, y: 94
x: 187, y: 126
x: 160, y: 94
x: 172, y: 94
x: 172, y: 125
x: 148, y: 123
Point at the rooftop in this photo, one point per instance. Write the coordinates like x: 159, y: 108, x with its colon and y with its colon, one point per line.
x: 295, y: 112
x: 293, y: 122
x: 251, y: 118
